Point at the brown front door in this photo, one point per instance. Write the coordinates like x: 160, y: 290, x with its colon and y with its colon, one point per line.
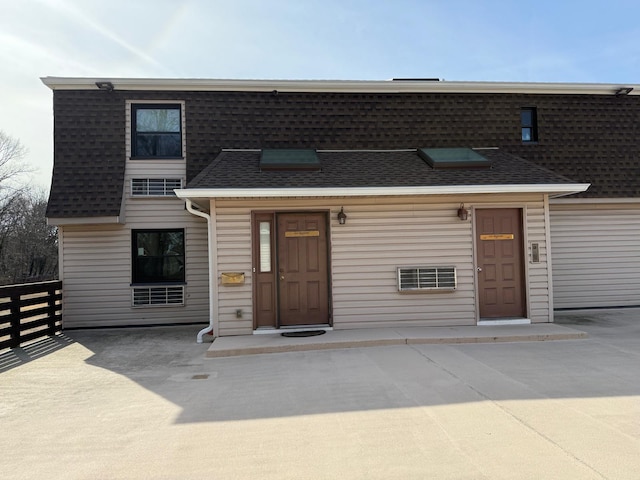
x: 291, y: 273
x: 500, y: 263
x: 303, y: 285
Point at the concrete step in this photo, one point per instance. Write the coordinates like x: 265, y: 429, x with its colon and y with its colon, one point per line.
x: 375, y: 337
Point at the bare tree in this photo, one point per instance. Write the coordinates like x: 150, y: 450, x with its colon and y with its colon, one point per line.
x: 12, y: 172
x: 28, y: 246
x: 12, y: 165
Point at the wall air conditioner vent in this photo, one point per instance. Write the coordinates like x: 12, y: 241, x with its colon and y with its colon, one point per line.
x: 157, y: 296
x: 414, y: 279
x: 154, y: 187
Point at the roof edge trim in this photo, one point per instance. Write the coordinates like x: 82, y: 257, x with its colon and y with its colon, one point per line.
x: 596, y: 201
x: 55, y: 221
x: 556, y: 189
x: 338, y: 86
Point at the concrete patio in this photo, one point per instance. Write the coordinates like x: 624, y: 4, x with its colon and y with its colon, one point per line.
x: 147, y: 403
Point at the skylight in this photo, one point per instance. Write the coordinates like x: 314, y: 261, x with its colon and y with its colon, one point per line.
x: 289, y: 159
x: 453, y: 158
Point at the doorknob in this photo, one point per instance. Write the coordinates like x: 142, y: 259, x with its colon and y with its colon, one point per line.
x: 479, y: 269
x: 281, y: 277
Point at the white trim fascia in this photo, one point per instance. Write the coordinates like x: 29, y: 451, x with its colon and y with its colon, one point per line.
x: 361, y: 86
x: 55, y: 221
x: 591, y: 201
x: 377, y: 191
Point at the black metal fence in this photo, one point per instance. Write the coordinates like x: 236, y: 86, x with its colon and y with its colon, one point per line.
x: 29, y: 311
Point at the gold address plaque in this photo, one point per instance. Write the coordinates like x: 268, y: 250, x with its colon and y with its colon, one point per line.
x: 497, y: 236
x: 232, y: 278
x: 303, y: 233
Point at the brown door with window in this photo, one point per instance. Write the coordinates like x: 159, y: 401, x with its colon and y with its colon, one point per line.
x: 499, y: 243
x: 291, y: 286
x: 303, y: 287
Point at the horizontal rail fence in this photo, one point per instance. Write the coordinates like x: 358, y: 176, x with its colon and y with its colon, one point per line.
x: 29, y: 311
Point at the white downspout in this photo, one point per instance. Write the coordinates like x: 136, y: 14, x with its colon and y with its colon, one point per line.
x: 198, y: 213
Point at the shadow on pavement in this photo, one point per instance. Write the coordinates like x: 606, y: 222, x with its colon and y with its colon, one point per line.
x: 168, y: 362
x: 15, y: 357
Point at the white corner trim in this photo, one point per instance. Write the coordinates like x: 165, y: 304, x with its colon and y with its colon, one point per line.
x: 565, y: 189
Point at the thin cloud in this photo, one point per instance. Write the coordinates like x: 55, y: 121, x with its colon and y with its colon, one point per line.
x: 33, y: 56
x: 75, y: 14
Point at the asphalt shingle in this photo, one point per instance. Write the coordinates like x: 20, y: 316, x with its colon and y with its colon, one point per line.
x: 241, y: 169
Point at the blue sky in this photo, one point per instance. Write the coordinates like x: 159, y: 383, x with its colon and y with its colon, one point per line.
x: 492, y: 40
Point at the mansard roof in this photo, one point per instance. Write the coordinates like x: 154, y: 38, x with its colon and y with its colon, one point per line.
x: 587, y: 133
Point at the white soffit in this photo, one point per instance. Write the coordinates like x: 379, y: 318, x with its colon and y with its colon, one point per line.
x: 353, y: 86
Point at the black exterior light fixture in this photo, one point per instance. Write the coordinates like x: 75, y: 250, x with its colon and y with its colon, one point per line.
x: 342, y: 217
x: 623, y: 91
x: 463, y: 213
x: 106, y: 86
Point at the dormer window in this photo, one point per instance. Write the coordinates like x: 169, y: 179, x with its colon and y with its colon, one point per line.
x: 156, y: 131
x: 529, y: 124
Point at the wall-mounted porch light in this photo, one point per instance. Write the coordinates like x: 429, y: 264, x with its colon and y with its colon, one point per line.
x: 107, y: 86
x: 620, y: 92
x: 463, y: 213
x: 342, y: 217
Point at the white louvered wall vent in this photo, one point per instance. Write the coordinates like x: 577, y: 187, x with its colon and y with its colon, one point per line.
x: 414, y: 279
x: 154, y: 187
x: 157, y: 296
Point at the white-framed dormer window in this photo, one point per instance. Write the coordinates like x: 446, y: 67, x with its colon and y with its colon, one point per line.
x: 156, y: 131
x: 154, y: 187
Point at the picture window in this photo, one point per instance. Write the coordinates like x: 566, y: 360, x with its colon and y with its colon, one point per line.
x: 158, y: 256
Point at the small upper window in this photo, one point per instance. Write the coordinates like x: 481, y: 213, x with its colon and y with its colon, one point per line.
x: 529, y: 124
x: 157, y: 131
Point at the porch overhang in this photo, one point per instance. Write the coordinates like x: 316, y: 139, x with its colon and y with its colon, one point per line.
x: 197, y: 195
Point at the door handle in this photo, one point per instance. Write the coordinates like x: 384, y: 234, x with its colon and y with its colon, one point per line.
x: 281, y: 277
x: 479, y: 269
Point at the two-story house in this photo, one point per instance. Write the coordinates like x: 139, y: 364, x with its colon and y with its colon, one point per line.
x: 263, y: 205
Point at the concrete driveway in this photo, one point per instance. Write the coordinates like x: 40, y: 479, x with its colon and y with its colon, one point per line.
x: 148, y: 404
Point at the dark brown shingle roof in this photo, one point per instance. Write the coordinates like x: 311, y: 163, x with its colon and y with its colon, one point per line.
x: 241, y: 169
x: 588, y: 138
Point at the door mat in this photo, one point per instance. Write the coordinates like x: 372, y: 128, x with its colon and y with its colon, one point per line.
x: 310, y: 333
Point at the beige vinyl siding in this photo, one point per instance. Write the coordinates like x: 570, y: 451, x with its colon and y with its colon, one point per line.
x: 96, y: 260
x: 382, y: 234
x: 97, y: 277
x: 596, y: 255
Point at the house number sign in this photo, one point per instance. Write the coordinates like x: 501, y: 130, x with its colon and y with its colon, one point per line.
x: 497, y: 236
x: 303, y: 233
